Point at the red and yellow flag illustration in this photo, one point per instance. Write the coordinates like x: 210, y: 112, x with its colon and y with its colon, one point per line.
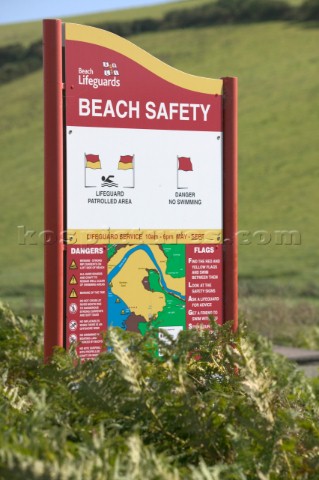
x: 184, y: 163
x: 92, y: 161
x: 126, y: 162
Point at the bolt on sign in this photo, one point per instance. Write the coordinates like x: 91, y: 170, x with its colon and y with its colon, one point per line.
x: 140, y: 175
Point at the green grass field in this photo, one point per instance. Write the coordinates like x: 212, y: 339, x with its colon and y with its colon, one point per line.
x: 277, y: 65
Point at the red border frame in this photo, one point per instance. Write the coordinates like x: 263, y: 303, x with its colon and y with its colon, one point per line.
x: 53, y: 186
x: 230, y: 200
x: 54, y: 191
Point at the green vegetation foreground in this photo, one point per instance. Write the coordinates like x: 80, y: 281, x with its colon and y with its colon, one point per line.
x: 277, y: 65
x: 128, y: 415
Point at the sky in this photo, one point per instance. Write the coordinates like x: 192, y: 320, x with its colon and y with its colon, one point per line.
x: 13, y: 11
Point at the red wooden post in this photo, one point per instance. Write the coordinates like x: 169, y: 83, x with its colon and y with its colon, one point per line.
x: 230, y: 207
x: 53, y: 185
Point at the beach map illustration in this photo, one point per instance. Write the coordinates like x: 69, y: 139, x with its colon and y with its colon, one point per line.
x: 146, y: 283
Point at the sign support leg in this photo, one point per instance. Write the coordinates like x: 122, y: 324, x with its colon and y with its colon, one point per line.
x: 230, y: 201
x: 53, y: 185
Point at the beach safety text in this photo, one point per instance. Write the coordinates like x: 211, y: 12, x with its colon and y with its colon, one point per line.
x: 150, y: 110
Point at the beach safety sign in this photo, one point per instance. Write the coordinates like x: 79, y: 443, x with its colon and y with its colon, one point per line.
x: 143, y: 192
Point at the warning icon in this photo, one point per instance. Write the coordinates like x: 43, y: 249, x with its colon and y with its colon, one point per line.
x: 73, y: 265
x: 73, y: 294
x: 73, y: 280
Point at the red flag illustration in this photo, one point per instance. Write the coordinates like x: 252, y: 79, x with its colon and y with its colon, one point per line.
x: 184, y: 163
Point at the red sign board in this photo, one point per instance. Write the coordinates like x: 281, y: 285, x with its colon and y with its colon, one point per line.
x: 145, y: 190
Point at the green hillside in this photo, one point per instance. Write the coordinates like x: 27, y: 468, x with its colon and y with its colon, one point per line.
x: 277, y: 66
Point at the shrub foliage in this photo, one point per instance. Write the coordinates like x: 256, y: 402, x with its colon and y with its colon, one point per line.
x: 214, y: 405
x: 16, y: 60
x: 309, y: 11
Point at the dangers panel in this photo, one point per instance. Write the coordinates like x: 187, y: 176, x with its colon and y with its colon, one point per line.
x: 86, y: 299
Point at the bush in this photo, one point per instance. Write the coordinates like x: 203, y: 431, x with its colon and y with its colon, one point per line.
x: 126, y: 29
x: 309, y: 11
x: 228, y: 11
x: 16, y: 61
x: 265, y: 10
x: 129, y: 414
x: 11, y: 53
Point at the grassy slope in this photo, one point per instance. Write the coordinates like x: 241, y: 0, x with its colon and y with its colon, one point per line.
x: 277, y: 67
x: 22, y: 184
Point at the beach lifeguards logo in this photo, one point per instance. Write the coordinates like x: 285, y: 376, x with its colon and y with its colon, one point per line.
x: 110, y: 69
x: 108, y: 76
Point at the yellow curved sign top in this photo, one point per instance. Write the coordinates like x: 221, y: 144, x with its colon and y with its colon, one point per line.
x: 96, y: 36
